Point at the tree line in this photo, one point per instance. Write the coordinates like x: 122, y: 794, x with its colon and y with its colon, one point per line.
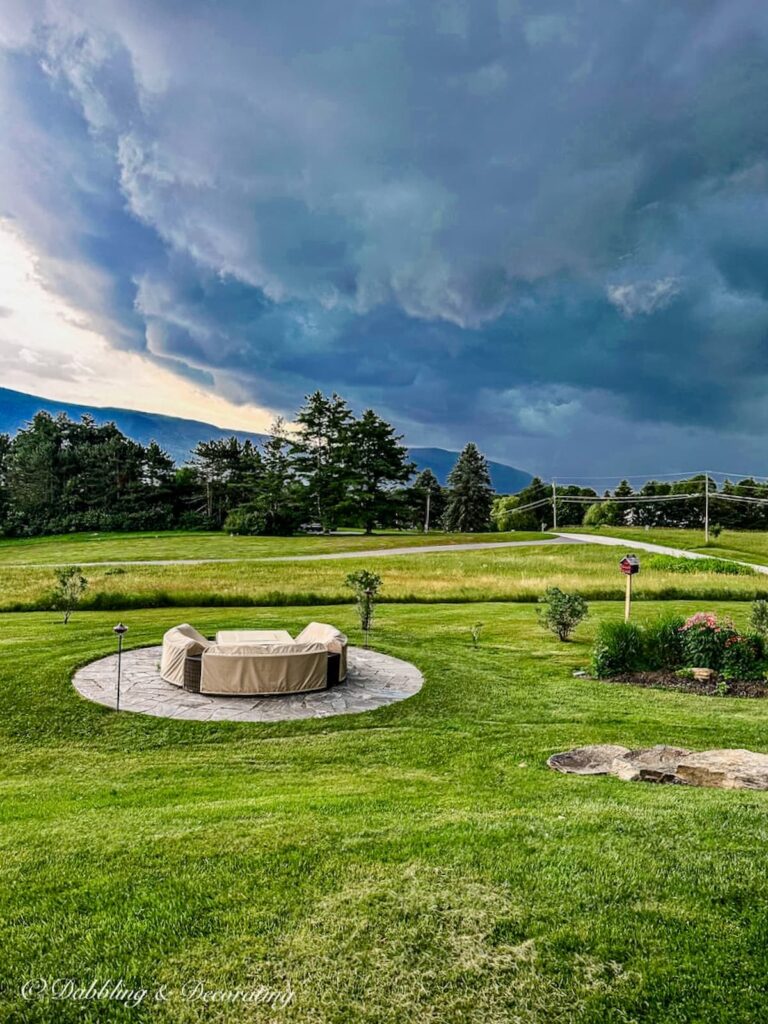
x: 732, y: 505
x: 333, y: 469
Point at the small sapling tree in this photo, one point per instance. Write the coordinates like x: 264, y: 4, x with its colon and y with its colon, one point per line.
x: 366, y: 586
x: 69, y: 590
x: 474, y: 632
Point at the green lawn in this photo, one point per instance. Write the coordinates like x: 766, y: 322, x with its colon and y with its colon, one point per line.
x: 175, y: 544
x: 741, y: 545
x: 416, y: 863
x: 516, y: 574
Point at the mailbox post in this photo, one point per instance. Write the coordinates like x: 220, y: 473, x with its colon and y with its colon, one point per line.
x: 629, y: 565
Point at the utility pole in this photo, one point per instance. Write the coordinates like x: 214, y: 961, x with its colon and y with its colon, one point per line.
x: 706, y: 507
x: 554, y: 506
x: 426, y: 521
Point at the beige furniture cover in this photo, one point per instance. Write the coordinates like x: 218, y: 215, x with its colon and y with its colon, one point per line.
x: 253, y: 636
x: 334, y: 641
x: 177, y: 644
x: 264, y: 668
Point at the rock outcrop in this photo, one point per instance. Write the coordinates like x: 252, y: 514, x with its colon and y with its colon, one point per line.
x: 720, y: 769
x: 649, y: 764
x: 596, y: 760
x: 725, y: 769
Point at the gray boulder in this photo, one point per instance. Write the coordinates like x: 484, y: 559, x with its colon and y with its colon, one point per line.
x: 649, y: 764
x: 595, y: 760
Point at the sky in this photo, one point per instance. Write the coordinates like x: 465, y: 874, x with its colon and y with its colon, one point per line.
x: 541, y: 226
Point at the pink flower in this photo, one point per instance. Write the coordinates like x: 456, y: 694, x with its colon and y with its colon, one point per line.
x: 707, y: 620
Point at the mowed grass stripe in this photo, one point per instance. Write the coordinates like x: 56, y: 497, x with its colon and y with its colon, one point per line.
x: 179, y: 544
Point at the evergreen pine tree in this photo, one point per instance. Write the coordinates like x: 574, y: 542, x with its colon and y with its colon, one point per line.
x: 321, y: 454
x: 377, y: 460
x: 470, y: 494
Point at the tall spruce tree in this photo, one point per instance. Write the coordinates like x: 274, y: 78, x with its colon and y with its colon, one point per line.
x: 470, y: 494
x: 278, y: 498
x: 377, y: 460
x: 321, y: 455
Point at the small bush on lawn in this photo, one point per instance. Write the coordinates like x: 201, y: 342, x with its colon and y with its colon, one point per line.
x: 743, y: 657
x: 619, y: 648
x: 663, y: 642
x: 705, y: 638
x: 758, y: 618
x: 563, y: 612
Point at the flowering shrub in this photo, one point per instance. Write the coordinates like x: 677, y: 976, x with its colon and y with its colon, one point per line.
x: 668, y: 643
x: 743, y: 657
x: 705, y: 638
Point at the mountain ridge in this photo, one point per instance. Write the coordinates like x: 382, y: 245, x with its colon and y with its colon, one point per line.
x: 178, y: 436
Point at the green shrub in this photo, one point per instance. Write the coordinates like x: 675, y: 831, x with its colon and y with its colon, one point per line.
x: 244, y: 522
x: 605, y: 513
x: 663, y: 642
x: 563, y: 612
x: 619, y: 647
x: 743, y: 657
x: 705, y: 638
x: 758, y: 617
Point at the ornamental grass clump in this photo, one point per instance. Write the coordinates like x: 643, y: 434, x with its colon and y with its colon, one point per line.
x: 705, y: 638
x: 619, y: 648
x: 663, y: 642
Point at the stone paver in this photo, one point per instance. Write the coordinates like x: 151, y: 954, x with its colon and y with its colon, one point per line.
x: 373, y: 680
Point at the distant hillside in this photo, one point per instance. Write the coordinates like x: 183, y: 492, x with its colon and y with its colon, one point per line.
x: 505, y: 479
x: 179, y: 436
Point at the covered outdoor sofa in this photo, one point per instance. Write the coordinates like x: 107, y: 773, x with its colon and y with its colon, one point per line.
x: 243, y: 662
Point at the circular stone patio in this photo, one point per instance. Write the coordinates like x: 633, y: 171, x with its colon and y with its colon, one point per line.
x: 373, y: 681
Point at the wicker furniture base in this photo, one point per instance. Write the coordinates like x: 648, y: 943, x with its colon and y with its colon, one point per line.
x: 334, y: 667
x: 193, y: 670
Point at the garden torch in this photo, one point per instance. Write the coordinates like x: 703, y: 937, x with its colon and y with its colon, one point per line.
x: 120, y: 630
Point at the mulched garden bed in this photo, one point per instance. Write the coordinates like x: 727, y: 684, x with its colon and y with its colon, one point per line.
x: 665, y: 680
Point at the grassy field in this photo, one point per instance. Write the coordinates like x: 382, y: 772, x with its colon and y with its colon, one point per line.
x: 134, y: 547
x: 511, y: 574
x: 742, y: 545
x: 416, y: 863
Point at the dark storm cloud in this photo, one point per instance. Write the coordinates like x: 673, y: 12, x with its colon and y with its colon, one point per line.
x: 507, y: 219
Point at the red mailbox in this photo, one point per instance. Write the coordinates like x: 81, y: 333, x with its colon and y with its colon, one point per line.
x: 629, y: 565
